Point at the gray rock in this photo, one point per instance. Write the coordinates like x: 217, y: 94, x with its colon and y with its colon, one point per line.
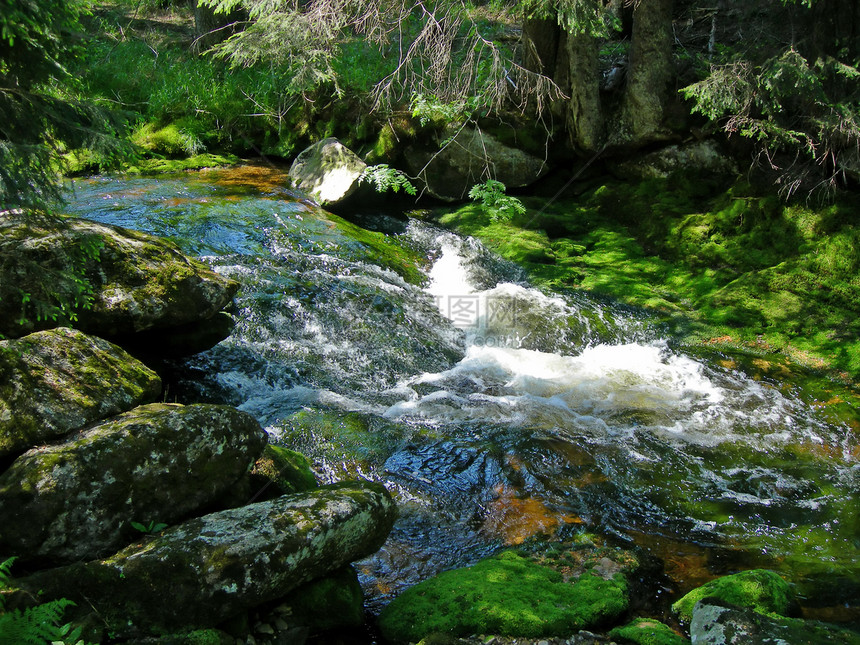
x: 701, y: 157
x: 449, y: 173
x: 328, y: 171
x: 108, y: 280
x: 158, y: 463
x: 201, y: 573
x: 718, y: 623
x: 55, y: 382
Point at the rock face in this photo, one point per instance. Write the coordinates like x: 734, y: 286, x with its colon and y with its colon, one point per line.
x: 450, y: 173
x: 759, y: 589
x: 328, y: 171
x: 204, y: 571
x: 55, y: 382
x: 158, y: 463
x: 130, y: 282
x: 718, y: 623
x: 514, y: 595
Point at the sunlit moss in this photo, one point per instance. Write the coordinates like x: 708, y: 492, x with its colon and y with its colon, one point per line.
x: 506, y: 594
x: 760, y: 590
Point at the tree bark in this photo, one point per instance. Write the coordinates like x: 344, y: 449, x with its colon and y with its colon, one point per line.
x: 649, y: 73
x: 585, y: 119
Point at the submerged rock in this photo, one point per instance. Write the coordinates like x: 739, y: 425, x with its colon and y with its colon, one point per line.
x: 110, y: 281
x: 158, y: 463
x: 200, y: 573
x: 55, y: 382
x: 328, y: 171
x: 333, y: 602
x: 513, y: 595
x: 761, y: 590
x: 716, y: 622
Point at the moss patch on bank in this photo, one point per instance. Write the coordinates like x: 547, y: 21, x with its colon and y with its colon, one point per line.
x: 724, y: 264
x: 761, y: 590
x: 506, y: 594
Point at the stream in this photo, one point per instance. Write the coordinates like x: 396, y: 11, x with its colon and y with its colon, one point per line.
x: 496, y: 413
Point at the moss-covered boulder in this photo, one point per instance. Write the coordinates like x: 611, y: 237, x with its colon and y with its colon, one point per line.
x: 158, y: 463
x: 55, y: 382
x: 110, y: 281
x: 280, y: 471
x: 647, y: 631
x: 716, y: 622
x: 508, y: 594
x: 328, y: 171
x: 202, y: 572
x: 761, y: 590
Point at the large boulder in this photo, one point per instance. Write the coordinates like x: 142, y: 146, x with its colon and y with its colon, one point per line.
x: 109, y: 281
x: 512, y: 594
x: 464, y: 159
x: 200, y: 573
x: 158, y: 463
x: 58, y: 381
x: 328, y: 171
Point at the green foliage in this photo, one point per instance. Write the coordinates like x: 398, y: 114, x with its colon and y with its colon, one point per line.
x: 761, y: 590
x: 151, y: 527
x: 40, y: 120
x: 384, y: 178
x: 492, y: 196
x: 39, y: 625
x: 575, y: 16
x: 787, y: 105
x: 428, y: 108
x: 507, y: 595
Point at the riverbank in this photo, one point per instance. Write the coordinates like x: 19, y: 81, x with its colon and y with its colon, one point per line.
x: 728, y: 268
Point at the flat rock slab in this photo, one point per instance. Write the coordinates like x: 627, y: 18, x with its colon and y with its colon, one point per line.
x: 204, y: 571
x: 161, y: 463
x: 55, y: 382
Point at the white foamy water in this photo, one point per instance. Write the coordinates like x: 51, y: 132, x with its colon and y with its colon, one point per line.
x: 604, y: 390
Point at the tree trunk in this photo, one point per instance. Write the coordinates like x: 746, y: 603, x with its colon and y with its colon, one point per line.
x: 584, y: 113
x: 541, y: 37
x: 211, y: 28
x: 649, y: 73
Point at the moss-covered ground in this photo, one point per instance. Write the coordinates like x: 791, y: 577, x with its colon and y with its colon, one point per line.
x: 506, y: 594
x: 723, y: 266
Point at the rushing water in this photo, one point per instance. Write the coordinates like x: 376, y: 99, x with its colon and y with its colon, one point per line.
x: 494, y: 411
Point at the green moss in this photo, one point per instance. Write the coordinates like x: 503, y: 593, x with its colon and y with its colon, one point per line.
x: 507, y: 595
x: 284, y: 470
x: 646, y: 631
x: 761, y: 590
x: 385, y: 251
x: 195, y: 162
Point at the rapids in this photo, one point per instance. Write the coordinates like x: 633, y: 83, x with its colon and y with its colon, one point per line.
x: 497, y: 413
